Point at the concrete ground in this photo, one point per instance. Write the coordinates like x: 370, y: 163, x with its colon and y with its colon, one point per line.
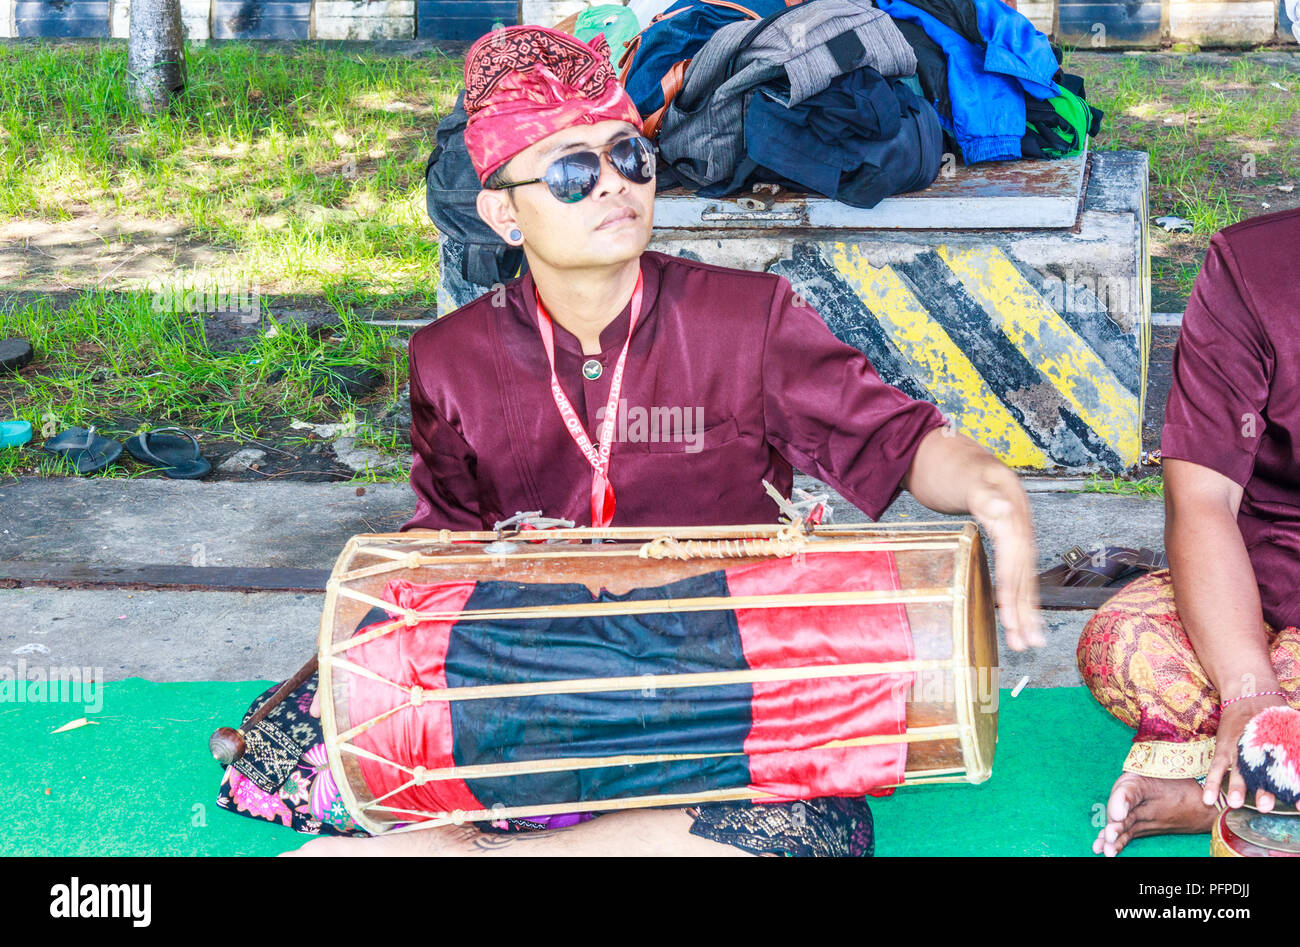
x: 223, y: 635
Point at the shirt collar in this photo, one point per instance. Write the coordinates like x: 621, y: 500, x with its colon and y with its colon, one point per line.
x: 614, y: 334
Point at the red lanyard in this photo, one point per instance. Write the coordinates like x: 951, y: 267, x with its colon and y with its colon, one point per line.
x: 602, y: 492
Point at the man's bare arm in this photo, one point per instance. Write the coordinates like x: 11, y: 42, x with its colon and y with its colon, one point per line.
x: 950, y: 473
x: 1218, y: 603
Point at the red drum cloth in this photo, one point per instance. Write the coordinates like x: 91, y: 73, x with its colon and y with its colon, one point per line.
x: 769, y: 728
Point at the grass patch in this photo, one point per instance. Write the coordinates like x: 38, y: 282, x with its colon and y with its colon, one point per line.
x: 1222, y: 133
x: 300, y: 166
x: 109, y: 359
x: 1147, y: 488
x: 304, y: 163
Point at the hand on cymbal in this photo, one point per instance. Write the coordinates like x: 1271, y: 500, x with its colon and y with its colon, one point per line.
x: 1232, y: 722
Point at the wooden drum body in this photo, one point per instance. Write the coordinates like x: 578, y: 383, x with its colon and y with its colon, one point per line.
x: 936, y: 584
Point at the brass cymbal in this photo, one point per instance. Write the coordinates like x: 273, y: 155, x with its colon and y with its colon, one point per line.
x: 1277, y: 831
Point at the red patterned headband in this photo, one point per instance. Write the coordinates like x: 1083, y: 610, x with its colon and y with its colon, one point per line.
x: 524, y: 83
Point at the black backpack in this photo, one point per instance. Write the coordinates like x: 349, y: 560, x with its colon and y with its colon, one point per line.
x: 451, y: 191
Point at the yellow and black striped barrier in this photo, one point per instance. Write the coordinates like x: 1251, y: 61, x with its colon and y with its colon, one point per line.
x: 1037, y: 382
x: 1029, y: 328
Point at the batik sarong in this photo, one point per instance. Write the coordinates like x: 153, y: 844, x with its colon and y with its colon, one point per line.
x: 1139, y: 663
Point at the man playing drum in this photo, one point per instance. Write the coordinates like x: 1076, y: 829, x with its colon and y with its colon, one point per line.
x: 714, y: 379
x: 1188, y: 655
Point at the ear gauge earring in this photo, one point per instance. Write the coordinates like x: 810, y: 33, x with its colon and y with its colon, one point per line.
x: 515, y: 236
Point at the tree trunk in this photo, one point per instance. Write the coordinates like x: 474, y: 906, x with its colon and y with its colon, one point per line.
x: 156, y: 52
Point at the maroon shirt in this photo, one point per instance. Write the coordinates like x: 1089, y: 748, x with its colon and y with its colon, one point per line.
x: 1235, y: 402
x: 757, y: 380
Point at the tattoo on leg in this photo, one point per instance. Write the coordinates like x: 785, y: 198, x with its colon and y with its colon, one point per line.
x: 466, y: 833
x: 491, y: 841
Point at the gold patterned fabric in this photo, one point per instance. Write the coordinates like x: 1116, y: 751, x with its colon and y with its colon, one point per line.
x: 1139, y: 663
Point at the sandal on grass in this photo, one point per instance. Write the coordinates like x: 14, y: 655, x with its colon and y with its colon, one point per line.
x: 179, y: 457
x: 14, y: 354
x: 84, y: 449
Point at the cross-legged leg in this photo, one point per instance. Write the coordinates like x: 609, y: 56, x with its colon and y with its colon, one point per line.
x: 1138, y: 662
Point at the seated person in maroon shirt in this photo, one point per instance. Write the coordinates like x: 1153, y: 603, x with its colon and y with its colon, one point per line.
x: 743, y: 377
x: 1188, y: 655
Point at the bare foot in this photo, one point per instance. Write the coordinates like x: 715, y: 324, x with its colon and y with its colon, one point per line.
x: 1144, y: 805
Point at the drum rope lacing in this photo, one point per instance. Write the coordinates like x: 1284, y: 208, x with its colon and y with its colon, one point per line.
x: 790, y: 540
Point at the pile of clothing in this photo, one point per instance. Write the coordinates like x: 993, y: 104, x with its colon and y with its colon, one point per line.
x: 995, y: 80
x: 814, y: 96
x: 851, y: 99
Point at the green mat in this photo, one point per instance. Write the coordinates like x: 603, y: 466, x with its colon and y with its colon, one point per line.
x: 139, y: 781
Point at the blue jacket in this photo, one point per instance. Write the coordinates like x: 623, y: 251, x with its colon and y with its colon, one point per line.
x: 987, y: 85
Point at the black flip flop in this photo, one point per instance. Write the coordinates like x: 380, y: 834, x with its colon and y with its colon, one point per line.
x: 1107, y: 567
x: 170, y: 453
x: 87, y: 451
x: 14, y: 354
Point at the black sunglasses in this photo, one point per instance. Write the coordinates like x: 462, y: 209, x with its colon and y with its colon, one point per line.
x: 573, y: 176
